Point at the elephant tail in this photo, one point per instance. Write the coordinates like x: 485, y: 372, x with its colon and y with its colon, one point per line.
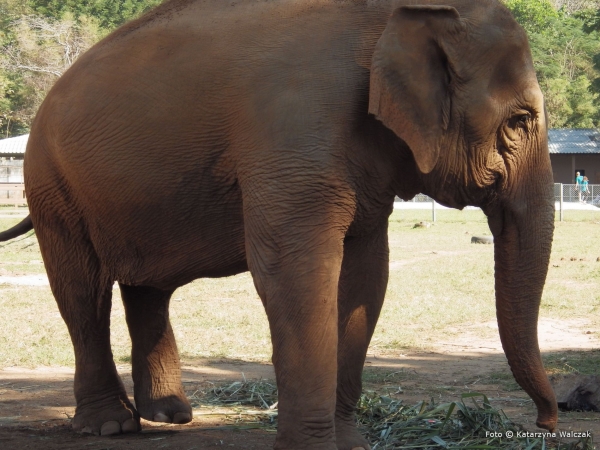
x: 22, y: 227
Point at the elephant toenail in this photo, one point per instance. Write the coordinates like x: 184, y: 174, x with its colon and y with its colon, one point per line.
x: 130, y: 426
x: 110, y: 428
x: 87, y: 430
x: 182, y: 417
x: 160, y: 417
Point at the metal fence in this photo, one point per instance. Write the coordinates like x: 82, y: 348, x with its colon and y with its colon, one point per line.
x: 573, y: 196
x: 571, y: 193
x: 566, y: 196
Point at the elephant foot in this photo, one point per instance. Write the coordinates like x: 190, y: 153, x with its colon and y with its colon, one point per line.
x: 106, y: 417
x: 169, y: 409
x: 348, y: 438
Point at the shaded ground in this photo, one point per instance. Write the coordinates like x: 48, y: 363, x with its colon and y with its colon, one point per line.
x: 35, y: 405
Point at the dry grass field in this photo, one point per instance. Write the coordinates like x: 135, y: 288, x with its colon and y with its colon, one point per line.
x: 436, y: 336
x: 440, y: 286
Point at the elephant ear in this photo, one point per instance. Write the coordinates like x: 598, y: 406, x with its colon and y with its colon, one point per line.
x: 411, y: 76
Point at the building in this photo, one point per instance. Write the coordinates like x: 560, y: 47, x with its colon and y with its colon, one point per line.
x: 575, y: 150
x: 12, y: 151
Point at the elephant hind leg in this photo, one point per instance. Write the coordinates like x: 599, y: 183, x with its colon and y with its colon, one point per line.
x: 83, y: 292
x: 156, y: 372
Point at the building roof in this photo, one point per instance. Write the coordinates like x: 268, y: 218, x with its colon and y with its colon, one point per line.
x: 13, y: 146
x: 574, y: 140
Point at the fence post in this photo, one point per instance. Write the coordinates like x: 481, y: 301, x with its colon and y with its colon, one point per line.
x: 561, y: 202
x: 433, y: 210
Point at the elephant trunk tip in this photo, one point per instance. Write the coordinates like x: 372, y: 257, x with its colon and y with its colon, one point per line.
x: 547, y: 422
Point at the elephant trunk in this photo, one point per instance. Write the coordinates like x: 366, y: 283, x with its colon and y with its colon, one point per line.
x: 522, y: 244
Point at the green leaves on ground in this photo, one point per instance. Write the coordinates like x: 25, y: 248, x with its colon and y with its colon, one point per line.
x: 388, y: 423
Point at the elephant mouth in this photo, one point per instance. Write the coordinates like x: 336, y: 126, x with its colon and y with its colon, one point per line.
x: 487, y: 198
x: 481, y: 185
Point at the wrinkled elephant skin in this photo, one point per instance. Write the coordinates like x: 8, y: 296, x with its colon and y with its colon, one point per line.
x: 208, y: 138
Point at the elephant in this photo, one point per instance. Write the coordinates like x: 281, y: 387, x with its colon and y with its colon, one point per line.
x: 208, y: 138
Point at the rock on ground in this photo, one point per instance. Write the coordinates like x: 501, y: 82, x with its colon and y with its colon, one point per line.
x: 575, y: 392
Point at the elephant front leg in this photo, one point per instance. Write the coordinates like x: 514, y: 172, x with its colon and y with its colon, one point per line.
x: 297, y: 283
x: 362, y: 286
x: 156, y: 371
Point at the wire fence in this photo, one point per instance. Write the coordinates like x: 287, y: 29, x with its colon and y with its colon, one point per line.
x: 573, y: 193
x: 566, y: 197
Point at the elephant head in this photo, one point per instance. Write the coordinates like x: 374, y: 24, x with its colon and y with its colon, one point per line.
x: 460, y: 90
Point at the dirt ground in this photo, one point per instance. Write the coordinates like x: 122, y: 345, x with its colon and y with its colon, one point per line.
x: 35, y: 405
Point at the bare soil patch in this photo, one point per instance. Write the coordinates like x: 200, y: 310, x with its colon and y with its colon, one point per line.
x: 36, y: 405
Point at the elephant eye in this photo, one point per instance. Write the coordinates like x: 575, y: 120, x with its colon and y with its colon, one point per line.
x: 521, y: 120
x: 524, y: 118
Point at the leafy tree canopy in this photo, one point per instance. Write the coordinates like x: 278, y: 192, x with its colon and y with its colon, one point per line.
x: 39, y: 39
x: 109, y: 13
x: 590, y: 19
x: 533, y: 15
x: 565, y: 44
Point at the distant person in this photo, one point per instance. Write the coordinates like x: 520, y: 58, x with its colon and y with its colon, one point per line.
x: 578, y: 183
x: 584, y: 189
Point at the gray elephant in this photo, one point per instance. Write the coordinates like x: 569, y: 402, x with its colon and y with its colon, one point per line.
x: 208, y: 138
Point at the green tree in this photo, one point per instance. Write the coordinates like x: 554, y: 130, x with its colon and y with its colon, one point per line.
x: 573, y: 6
x: 11, y: 86
x: 40, y: 51
x: 591, y: 21
x: 109, y: 13
x: 11, y: 9
x: 533, y: 15
x: 40, y: 39
x: 563, y: 44
x: 564, y: 37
